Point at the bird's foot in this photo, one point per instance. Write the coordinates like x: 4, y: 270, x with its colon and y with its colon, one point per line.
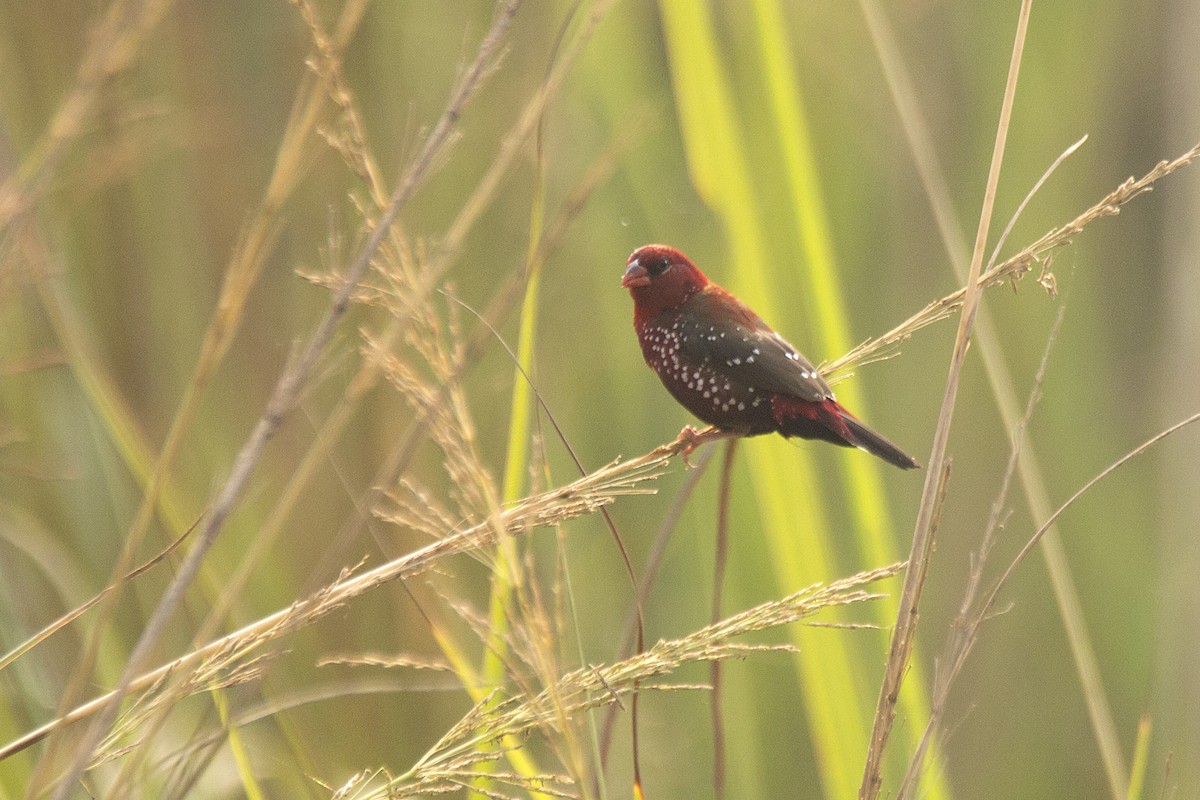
x: 690, y: 438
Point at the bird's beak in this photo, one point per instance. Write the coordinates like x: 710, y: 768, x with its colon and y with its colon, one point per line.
x: 635, y: 275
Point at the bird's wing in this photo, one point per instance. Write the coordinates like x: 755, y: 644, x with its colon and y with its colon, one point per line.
x: 718, y: 329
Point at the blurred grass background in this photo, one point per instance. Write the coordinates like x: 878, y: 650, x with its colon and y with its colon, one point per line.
x: 109, y: 281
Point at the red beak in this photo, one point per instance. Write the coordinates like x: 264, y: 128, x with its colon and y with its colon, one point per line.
x: 635, y: 275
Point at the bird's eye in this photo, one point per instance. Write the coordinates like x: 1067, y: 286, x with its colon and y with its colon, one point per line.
x: 657, y: 267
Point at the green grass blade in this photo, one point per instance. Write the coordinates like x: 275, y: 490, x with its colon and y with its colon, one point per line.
x: 721, y: 169
x: 516, y: 469
x: 873, y: 527
x: 1141, y: 760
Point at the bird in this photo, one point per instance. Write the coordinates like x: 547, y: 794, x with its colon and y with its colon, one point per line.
x: 728, y: 367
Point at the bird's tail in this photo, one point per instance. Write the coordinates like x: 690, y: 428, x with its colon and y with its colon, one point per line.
x: 830, y: 422
x: 864, y: 438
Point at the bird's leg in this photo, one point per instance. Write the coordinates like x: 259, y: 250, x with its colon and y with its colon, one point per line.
x: 691, y: 439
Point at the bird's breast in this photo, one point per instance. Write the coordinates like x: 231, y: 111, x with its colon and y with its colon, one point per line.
x: 701, y: 386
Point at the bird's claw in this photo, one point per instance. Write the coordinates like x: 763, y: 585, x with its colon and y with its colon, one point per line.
x: 691, y: 439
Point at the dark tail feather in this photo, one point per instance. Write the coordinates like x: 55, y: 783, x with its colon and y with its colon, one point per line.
x: 864, y: 438
x: 829, y: 422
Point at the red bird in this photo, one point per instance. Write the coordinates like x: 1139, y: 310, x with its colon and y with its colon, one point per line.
x: 726, y: 366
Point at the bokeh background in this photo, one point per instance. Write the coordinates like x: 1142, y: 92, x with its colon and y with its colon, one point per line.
x: 766, y: 141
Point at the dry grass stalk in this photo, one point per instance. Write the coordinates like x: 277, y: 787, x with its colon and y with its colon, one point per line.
x: 348, y: 139
x: 962, y: 636
x: 286, y: 392
x: 903, y: 634
x: 1011, y: 269
x: 406, y: 288
x: 252, y: 252
x: 1031, y: 474
x: 580, y: 690
x: 973, y: 615
x: 113, y: 47
x: 1015, y: 267
x: 222, y: 658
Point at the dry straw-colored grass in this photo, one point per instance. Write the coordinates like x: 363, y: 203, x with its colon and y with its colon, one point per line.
x: 423, y: 351
x: 235, y: 657
x: 450, y: 763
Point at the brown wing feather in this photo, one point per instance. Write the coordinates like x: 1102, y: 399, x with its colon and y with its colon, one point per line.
x: 721, y: 331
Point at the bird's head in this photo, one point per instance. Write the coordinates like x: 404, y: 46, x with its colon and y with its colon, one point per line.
x: 660, y: 277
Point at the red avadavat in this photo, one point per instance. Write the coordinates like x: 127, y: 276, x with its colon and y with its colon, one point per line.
x: 726, y: 366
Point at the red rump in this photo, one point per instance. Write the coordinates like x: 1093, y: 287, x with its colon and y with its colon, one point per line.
x: 728, y: 367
